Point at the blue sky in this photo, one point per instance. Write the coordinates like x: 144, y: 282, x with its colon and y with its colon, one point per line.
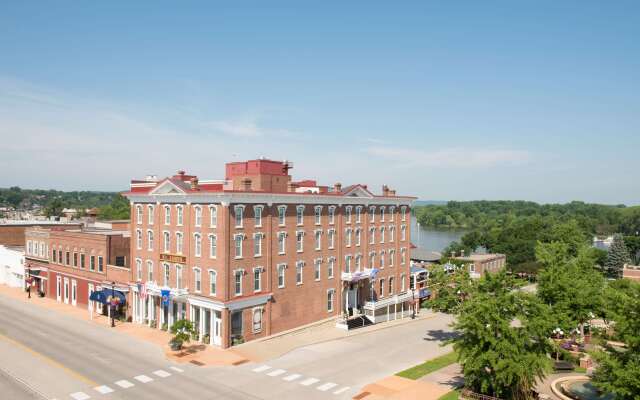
x: 448, y: 100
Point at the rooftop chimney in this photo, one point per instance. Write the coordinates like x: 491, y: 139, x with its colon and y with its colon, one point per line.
x: 338, y: 187
x: 246, y: 184
x: 194, y: 183
x: 385, y: 190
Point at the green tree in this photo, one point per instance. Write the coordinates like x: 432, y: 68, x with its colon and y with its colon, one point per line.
x: 503, y: 340
x: 54, y: 208
x: 119, y: 208
x: 449, y: 289
x: 617, y: 257
x: 569, y: 284
x: 619, y: 369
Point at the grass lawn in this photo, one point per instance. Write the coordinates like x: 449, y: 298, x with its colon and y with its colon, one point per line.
x: 581, y: 370
x: 452, y: 395
x: 427, y: 367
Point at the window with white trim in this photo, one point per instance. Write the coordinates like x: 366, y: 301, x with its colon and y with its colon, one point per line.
x: 281, y: 276
x: 347, y: 237
x: 318, y: 214
x: 403, y: 210
x: 197, y: 279
x: 282, y: 212
x: 257, y: 244
x: 167, y: 241
x: 138, y: 269
x: 382, y: 259
x: 139, y: 214
x: 372, y: 235
x: 299, y: 241
x: 167, y: 215
x: 198, y: 216
x: 392, y: 256
x: 358, y: 236
x: 381, y: 293
x: 318, y: 236
x: 299, y: 266
x: 257, y: 215
x: 213, y: 216
x: 167, y: 273
x: 300, y: 215
x: 213, y: 276
x: 257, y: 279
x: 282, y: 242
x: 238, y: 212
x: 150, y: 240
x: 257, y: 319
x: 392, y: 234
x: 316, y: 270
x: 179, y: 242
x: 392, y: 212
x: 149, y: 271
x: 197, y: 244
x: 332, y: 238
x: 382, y: 234
x: 372, y: 214
x: 403, y: 284
x: 152, y: 215
x: 347, y: 264
x: 347, y: 214
x: 382, y: 214
x: 138, y: 239
x: 332, y: 215
x: 403, y: 256
x: 372, y: 260
x: 358, y: 214
x: 330, y: 267
x: 213, y: 246
x: 330, y: 293
x: 238, y: 245
x: 178, y: 276
x: 238, y: 283
x: 391, y: 282
x: 403, y: 233
x: 180, y: 214
x: 358, y: 262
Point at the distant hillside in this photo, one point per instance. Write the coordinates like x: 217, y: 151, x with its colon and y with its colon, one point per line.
x: 29, y: 199
x: 429, y: 203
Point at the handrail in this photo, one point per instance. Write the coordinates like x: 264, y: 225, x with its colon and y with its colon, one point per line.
x: 467, y: 394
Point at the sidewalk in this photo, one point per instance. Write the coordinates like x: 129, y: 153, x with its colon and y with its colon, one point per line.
x: 398, y: 388
x: 198, y: 354
x: 324, y: 331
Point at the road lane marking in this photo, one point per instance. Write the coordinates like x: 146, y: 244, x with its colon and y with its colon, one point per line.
x: 143, y: 378
x: 51, y: 361
x: 291, y: 378
x: 344, y: 389
x: 103, y: 389
x: 262, y: 368
x: 80, y: 396
x: 176, y: 369
x: 276, y: 372
x: 310, y: 381
x: 327, y: 386
x: 161, y: 373
x: 124, y: 384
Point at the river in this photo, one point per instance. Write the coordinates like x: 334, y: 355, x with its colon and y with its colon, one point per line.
x: 433, y: 239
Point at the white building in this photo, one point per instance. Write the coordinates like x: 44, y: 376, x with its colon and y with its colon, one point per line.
x: 12, y: 266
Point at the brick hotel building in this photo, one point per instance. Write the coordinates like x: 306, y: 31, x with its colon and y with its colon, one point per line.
x: 257, y: 253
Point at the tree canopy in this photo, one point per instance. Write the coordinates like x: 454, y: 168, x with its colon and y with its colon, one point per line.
x: 617, y: 257
x: 119, y: 208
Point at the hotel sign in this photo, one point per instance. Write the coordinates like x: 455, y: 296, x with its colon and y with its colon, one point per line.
x: 172, y: 258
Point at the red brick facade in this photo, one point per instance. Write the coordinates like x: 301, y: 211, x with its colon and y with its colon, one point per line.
x: 231, y: 230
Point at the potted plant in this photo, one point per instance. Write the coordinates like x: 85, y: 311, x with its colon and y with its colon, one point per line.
x: 164, y: 326
x: 206, y: 339
x: 182, y: 331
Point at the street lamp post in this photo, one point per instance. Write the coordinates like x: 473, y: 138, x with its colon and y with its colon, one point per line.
x: 28, y: 281
x: 113, y: 304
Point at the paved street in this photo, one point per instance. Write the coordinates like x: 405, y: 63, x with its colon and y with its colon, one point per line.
x: 65, y: 358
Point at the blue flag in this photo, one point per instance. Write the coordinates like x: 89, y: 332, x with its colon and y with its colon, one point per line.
x: 165, y: 297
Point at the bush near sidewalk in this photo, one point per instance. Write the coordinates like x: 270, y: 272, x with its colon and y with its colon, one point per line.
x: 430, y: 366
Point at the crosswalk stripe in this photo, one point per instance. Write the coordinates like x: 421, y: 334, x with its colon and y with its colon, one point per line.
x: 176, y: 369
x: 292, y: 377
x: 261, y: 368
x: 103, y: 389
x: 161, y: 373
x: 124, y: 384
x: 327, y: 386
x: 310, y: 381
x: 80, y: 396
x: 143, y: 378
x: 276, y: 372
x: 344, y: 389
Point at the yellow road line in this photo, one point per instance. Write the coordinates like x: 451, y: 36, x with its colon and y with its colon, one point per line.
x: 52, y: 362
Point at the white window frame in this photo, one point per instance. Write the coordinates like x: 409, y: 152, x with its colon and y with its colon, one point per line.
x: 299, y: 273
x: 257, y: 215
x: 403, y: 285
x: 317, y: 269
x: 282, y: 242
x: 358, y: 214
x: 331, y: 239
x: 347, y: 214
x: 167, y: 215
x: 179, y: 242
x: 403, y: 233
x: 179, y: 215
x: 197, y: 211
x: 317, y: 210
x: 138, y: 269
x: 331, y: 264
x: 257, y: 244
x: 166, y: 274
x: 257, y: 273
x: 300, y: 215
x: 237, y: 273
x: 392, y: 211
x: 391, y: 285
x: 166, y: 241
x: 151, y: 214
x: 372, y: 235
x: 197, y: 280
x: 282, y: 215
x: 299, y: 241
x: 213, y: 246
x: 178, y: 276
x: 149, y: 271
x: 281, y: 274
x: 150, y: 240
x: 213, y: 216
x: 392, y: 257
x: 372, y: 214
x: 382, y: 208
x: 213, y: 282
x: 392, y: 234
x: 347, y: 237
x: 238, y: 215
x: 330, y: 299
x: 318, y: 239
x: 197, y: 244
x: 332, y: 215
x: 403, y: 256
x: 358, y: 235
x: 381, y: 292
x: 238, y: 251
x: 139, y: 214
x: 347, y: 263
x: 403, y: 210
x: 382, y: 234
x: 139, y: 239
x: 256, y: 311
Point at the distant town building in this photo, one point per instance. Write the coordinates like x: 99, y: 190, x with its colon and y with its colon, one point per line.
x: 480, y: 264
x: 12, y: 232
x: 12, y: 266
x: 602, y: 243
x: 258, y: 253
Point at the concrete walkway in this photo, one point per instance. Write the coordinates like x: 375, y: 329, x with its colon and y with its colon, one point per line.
x: 449, y: 377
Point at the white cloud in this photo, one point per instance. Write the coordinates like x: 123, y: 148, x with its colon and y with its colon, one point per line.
x: 450, y: 157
